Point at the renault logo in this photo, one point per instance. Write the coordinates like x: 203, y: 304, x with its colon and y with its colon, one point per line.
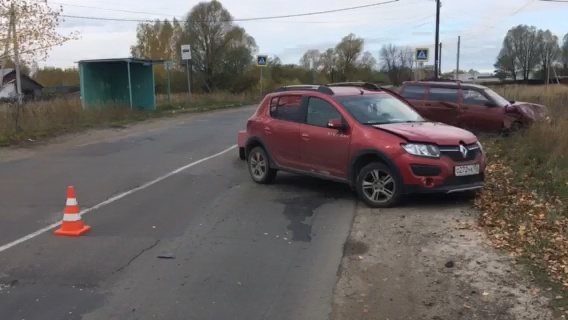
x: 463, y: 150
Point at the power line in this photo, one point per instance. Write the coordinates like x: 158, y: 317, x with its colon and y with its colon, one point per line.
x: 245, y: 19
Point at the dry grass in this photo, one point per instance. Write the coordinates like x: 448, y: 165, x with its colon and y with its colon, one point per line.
x: 48, y: 118
x: 525, y: 202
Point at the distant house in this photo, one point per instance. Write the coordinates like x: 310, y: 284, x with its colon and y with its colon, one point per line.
x: 30, y: 88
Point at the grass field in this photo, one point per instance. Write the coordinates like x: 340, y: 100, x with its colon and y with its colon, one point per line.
x: 525, y: 203
x: 44, y: 119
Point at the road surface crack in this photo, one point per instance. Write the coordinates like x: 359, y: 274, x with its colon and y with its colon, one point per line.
x: 136, y: 256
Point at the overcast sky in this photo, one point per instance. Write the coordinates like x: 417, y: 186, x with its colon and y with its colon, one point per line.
x: 481, y: 24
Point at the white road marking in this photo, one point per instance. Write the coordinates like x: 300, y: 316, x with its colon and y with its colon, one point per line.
x: 115, y: 198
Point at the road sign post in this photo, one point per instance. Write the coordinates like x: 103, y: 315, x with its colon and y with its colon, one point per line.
x: 186, y: 56
x: 261, y: 61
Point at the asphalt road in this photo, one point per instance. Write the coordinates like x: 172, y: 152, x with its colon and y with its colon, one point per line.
x: 239, y: 250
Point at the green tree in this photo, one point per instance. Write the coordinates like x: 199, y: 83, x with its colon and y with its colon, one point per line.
x: 216, y: 42
x: 348, y: 51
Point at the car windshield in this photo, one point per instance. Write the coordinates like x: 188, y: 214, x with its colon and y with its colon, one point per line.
x: 379, y: 109
x: 497, y: 98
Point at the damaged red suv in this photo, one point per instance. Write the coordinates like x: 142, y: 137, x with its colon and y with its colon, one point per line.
x: 470, y: 106
x: 362, y: 135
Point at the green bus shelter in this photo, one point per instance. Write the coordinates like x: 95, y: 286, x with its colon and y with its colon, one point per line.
x: 123, y: 81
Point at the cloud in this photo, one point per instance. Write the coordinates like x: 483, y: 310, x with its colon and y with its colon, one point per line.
x: 481, y: 25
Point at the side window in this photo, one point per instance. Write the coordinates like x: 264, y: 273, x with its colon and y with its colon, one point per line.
x: 320, y: 112
x: 474, y: 97
x: 413, y: 92
x: 287, y: 108
x: 443, y: 94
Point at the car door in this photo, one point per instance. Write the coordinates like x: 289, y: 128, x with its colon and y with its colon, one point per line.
x: 479, y: 113
x: 416, y: 95
x: 282, y: 129
x: 323, y: 150
x: 442, y: 104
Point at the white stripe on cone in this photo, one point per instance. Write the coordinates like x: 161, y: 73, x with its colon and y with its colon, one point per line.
x: 71, y: 202
x: 71, y: 217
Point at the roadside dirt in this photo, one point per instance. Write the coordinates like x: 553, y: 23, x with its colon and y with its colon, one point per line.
x: 97, y: 135
x: 428, y: 260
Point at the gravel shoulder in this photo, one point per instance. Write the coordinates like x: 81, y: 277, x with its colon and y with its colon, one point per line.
x: 429, y: 260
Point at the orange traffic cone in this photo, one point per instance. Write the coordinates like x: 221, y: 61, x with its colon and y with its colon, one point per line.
x: 72, y: 224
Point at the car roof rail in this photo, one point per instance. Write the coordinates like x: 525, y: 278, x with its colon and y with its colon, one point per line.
x: 445, y: 80
x: 359, y: 84
x: 306, y: 87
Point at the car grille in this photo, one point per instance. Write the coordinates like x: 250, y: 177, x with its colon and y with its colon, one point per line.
x: 453, y: 152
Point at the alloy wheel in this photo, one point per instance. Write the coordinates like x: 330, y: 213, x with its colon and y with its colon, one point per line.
x: 378, y: 186
x: 258, y: 166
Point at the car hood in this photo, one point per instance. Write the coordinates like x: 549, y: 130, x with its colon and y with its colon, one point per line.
x: 429, y: 132
x: 531, y: 111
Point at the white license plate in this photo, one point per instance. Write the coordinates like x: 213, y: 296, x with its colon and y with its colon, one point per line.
x: 467, y: 170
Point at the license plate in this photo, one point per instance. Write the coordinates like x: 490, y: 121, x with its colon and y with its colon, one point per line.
x: 467, y: 170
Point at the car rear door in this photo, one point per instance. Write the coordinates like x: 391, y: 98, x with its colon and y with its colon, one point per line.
x: 442, y: 104
x: 282, y: 129
x: 323, y: 150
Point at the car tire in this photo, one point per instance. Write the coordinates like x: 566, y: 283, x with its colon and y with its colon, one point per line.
x: 374, y: 180
x: 259, y: 166
x: 242, y: 154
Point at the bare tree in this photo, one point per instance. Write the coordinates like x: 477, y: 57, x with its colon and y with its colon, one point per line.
x: 396, y: 62
x: 310, y: 59
x: 522, y: 45
x: 549, y: 51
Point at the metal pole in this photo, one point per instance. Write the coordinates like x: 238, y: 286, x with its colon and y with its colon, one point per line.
x: 437, y: 40
x: 169, y: 88
x: 129, y: 84
x: 458, y: 59
x: 260, y: 81
x: 188, y: 80
x: 190, y: 75
x: 440, y: 60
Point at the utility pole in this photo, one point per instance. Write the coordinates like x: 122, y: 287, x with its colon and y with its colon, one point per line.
x: 458, y: 59
x: 440, y: 60
x: 13, y: 20
x: 437, y: 40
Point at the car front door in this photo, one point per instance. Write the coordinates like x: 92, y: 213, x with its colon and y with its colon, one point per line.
x: 324, y: 150
x: 479, y: 114
x: 282, y: 129
x: 442, y: 104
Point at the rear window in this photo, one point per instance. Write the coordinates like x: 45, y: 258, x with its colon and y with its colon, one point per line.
x: 413, y: 92
x: 443, y: 94
x: 287, y: 108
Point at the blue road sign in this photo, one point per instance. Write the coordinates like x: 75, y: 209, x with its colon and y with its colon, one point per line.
x: 261, y: 61
x: 421, y: 54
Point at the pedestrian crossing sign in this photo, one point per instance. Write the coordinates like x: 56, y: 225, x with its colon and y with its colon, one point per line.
x: 421, y: 54
x: 261, y: 60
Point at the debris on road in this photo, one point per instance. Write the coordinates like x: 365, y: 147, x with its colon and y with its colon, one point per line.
x: 167, y: 256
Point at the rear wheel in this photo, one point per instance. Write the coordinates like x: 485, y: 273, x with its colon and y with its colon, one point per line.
x: 259, y: 166
x: 377, y: 186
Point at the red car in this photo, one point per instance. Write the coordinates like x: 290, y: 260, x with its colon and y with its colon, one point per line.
x: 470, y: 106
x: 362, y: 135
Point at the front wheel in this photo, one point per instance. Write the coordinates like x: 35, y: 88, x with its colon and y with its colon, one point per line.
x: 377, y: 186
x: 259, y: 166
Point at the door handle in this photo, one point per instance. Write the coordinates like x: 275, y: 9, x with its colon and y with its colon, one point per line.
x: 305, y: 136
x: 267, y: 129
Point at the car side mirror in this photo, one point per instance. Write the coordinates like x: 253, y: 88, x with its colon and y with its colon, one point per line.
x: 335, y: 124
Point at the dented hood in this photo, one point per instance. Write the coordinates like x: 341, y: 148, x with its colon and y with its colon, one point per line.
x: 530, y: 111
x: 429, y: 132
